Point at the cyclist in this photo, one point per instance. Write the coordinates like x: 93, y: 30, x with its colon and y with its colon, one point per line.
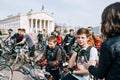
x: 40, y: 37
x: 17, y: 37
x: 79, y: 58
x: 28, y: 40
x: 68, y: 42
x: 8, y: 38
x: 52, y: 55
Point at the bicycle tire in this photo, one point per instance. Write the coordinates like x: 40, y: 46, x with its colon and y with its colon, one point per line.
x: 6, y: 72
x: 10, y: 58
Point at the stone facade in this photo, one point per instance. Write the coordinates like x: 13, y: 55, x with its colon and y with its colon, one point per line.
x: 31, y: 21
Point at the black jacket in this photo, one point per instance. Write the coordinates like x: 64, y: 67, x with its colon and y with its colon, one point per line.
x: 69, y: 39
x: 53, y: 56
x: 17, y: 38
x: 109, y: 61
x: 40, y: 37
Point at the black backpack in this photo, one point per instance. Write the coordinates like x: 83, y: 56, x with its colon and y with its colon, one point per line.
x: 84, y: 53
x: 64, y: 55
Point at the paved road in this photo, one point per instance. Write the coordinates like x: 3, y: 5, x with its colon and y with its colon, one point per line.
x: 18, y: 75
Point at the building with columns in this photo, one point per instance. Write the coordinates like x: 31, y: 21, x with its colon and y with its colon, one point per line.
x: 32, y: 21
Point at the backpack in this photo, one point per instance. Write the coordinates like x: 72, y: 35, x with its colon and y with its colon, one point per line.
x: 84, y: 53
x: 64, y: 55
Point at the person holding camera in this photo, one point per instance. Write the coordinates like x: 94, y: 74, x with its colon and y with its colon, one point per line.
x: 109, y: 60
x: 81, y: 55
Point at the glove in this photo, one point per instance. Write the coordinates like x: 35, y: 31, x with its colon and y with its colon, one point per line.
x: 65, y: 70
x: 43, y: 63
x: 39, y: 62
x: 71, y: 70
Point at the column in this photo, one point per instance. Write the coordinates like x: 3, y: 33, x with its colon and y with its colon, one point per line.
x: 36, y: 25
x: 40, y: 24
x: 31, y: 30
x: 48, y: 27
x: 29, y: 25
x: 44, y: 24
x: 51, y: 25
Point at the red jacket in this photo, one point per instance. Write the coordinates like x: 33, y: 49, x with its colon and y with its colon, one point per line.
x: 59, y: 39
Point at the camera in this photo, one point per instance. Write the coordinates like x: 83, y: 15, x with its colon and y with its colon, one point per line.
x: 82, y: 53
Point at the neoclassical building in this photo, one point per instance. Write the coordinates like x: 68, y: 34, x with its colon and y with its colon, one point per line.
x: 32, y: 21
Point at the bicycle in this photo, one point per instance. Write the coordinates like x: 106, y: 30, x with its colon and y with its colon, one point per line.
x: 35, y: 73
x: 6, y: 72
x: 14, y: 53
x: 40, y: 47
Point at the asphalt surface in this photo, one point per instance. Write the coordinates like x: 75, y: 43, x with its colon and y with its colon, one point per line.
x: 18, y: 75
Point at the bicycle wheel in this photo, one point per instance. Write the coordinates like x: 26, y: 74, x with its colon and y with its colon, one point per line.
x: 10, y: 58
x: 6, y: 72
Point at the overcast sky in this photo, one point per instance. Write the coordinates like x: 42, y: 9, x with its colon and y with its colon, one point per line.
x: 66, y: 12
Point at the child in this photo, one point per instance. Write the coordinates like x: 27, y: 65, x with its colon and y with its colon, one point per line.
x: 78, y: 58
x: 52, y: 55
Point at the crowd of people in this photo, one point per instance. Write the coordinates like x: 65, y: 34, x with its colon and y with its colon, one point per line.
x: 86, y: 53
